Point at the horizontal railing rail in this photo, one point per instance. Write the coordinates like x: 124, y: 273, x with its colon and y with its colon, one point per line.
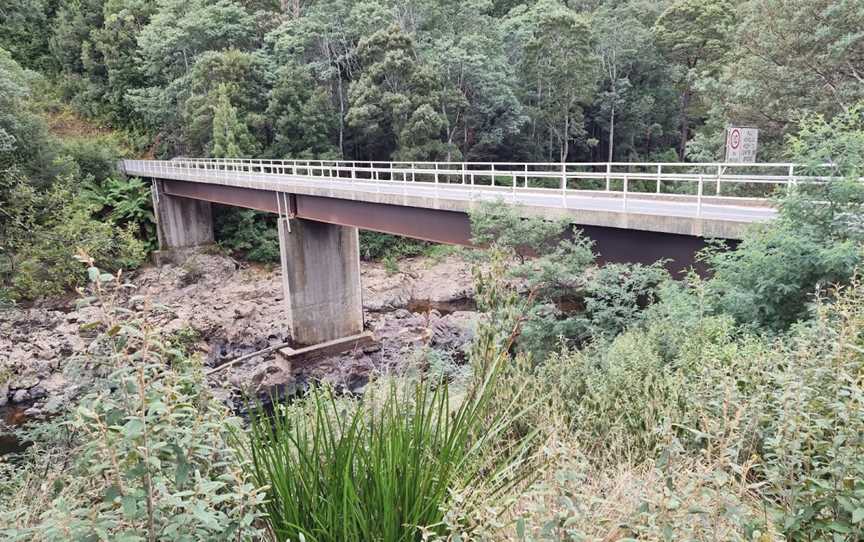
x: 715, y: 183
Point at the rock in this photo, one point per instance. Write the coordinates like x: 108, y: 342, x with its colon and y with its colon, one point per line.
x: 20, y: 396
x: 4, y: 394
x: 244, y: 310
x: 56, y: 383
x: 356, y: 383
x: 38, y: 392
x: 401, y: 314
x: 374, y: 347
x: 23, y: 383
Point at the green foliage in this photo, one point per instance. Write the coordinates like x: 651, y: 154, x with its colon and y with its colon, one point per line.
x: 815, y: 242
x: 378, y: 246
x: 126, y: 203
x: 231, y: 138
x: 46, y: 232
x: 561, y: 68
x: 568, y: 302
x: 251, y: 234
x: 503, y: 225
x: 385, y: 469
x: 143, y: 455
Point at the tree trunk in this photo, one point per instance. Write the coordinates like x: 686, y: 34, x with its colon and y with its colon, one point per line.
x: 565, y: 139
x: 341, y: 112
x: 684, y: 120
x: 611, y: 130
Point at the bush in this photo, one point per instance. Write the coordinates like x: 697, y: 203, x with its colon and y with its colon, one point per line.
x: 143, y: 455
x: 249, y: 234
x: 44, y: 248
x: 381, y: 246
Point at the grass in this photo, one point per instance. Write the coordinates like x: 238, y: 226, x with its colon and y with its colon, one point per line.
x: 384, y: 469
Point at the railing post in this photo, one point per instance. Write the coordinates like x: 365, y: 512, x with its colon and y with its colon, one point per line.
x: 699, y: 197
x: 719, y: 173
x: 659, y: 170
x: 564, y: 183
x: 526, y: 175
x: 463, y: 172
x: 413, y: 171
x: 625, y: 191
x: 436, y: 175
x: 792, y: 182
x: 608, y: 173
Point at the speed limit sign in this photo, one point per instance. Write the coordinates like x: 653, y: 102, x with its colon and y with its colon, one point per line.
x: 741, y: 144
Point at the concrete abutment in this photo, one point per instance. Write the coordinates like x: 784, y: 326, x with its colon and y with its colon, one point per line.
x: 181, y: 222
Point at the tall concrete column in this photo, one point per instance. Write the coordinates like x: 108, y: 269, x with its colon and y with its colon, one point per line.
x: 321, y: 280
x: 181, y: 222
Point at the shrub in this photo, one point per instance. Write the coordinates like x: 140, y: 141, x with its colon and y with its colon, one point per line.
x: 44, y: 260
x: 142, y: 456
x: 250, y: 234
x: 380, y: 246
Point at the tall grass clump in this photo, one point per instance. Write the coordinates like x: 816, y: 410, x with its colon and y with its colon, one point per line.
x: 383, y: 470
x: 397, y: 464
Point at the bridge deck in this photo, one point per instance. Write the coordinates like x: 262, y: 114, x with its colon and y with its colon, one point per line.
x: 421, y: 187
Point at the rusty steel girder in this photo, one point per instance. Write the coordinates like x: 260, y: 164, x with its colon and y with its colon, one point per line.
x: 449, y: 227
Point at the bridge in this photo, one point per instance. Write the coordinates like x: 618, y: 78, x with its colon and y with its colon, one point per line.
x: 638, y: 212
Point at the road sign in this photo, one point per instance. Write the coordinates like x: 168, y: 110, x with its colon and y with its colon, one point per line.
x: 741, y: 144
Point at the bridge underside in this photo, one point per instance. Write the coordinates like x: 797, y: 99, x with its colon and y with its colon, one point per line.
x: 440, y: 226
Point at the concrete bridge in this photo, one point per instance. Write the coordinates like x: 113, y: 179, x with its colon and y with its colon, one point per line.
x: 634, y: 212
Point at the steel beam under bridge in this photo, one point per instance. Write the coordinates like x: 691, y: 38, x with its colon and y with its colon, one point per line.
x: 436, y: 225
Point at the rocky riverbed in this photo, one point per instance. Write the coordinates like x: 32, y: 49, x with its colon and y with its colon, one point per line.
x: 222, y: 309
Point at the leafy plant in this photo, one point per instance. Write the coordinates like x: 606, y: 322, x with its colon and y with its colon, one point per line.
x: 125, y: 201
x: 379, y: 246
x: 251, y: 234
x: 142, y: 456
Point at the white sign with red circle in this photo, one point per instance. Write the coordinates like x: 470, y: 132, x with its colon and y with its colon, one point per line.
x: 741, y: 144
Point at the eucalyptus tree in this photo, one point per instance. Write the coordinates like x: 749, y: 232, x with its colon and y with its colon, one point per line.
x: 324, y: 39
x: 464, y: 42
x: 394, y: 101
x: 559, y: 70
x: 175, y: 36
x: 793, y: 56
x: 695, y: 36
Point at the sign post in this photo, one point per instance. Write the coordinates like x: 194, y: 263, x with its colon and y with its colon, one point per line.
x: 741, y: 144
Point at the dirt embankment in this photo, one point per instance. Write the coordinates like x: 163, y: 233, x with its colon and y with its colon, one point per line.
x: 224, y: 310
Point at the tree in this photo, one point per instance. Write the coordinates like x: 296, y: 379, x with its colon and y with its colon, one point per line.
x: 466, y: 47
x: 694, y: 35
x: 394, y: 101
x: 559, y: 70
x: 231, y: 138
x: 243, y: 77
x: 771, y: 279
x: 303, y: 118
x: 794, y: 56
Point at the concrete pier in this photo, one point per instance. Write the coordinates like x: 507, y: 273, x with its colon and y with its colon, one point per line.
x: 181, y: 222
x: 321, y: 280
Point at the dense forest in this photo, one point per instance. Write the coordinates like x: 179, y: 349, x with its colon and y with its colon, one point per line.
x: 484, y: 80
x: 598, y: 403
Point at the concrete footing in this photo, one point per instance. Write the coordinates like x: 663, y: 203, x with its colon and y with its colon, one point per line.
x: 321, y: 280
x: 181, y: 222
x: 329, y: 348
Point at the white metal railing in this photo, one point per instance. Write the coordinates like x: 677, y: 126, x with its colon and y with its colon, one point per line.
x: 716, y: 183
